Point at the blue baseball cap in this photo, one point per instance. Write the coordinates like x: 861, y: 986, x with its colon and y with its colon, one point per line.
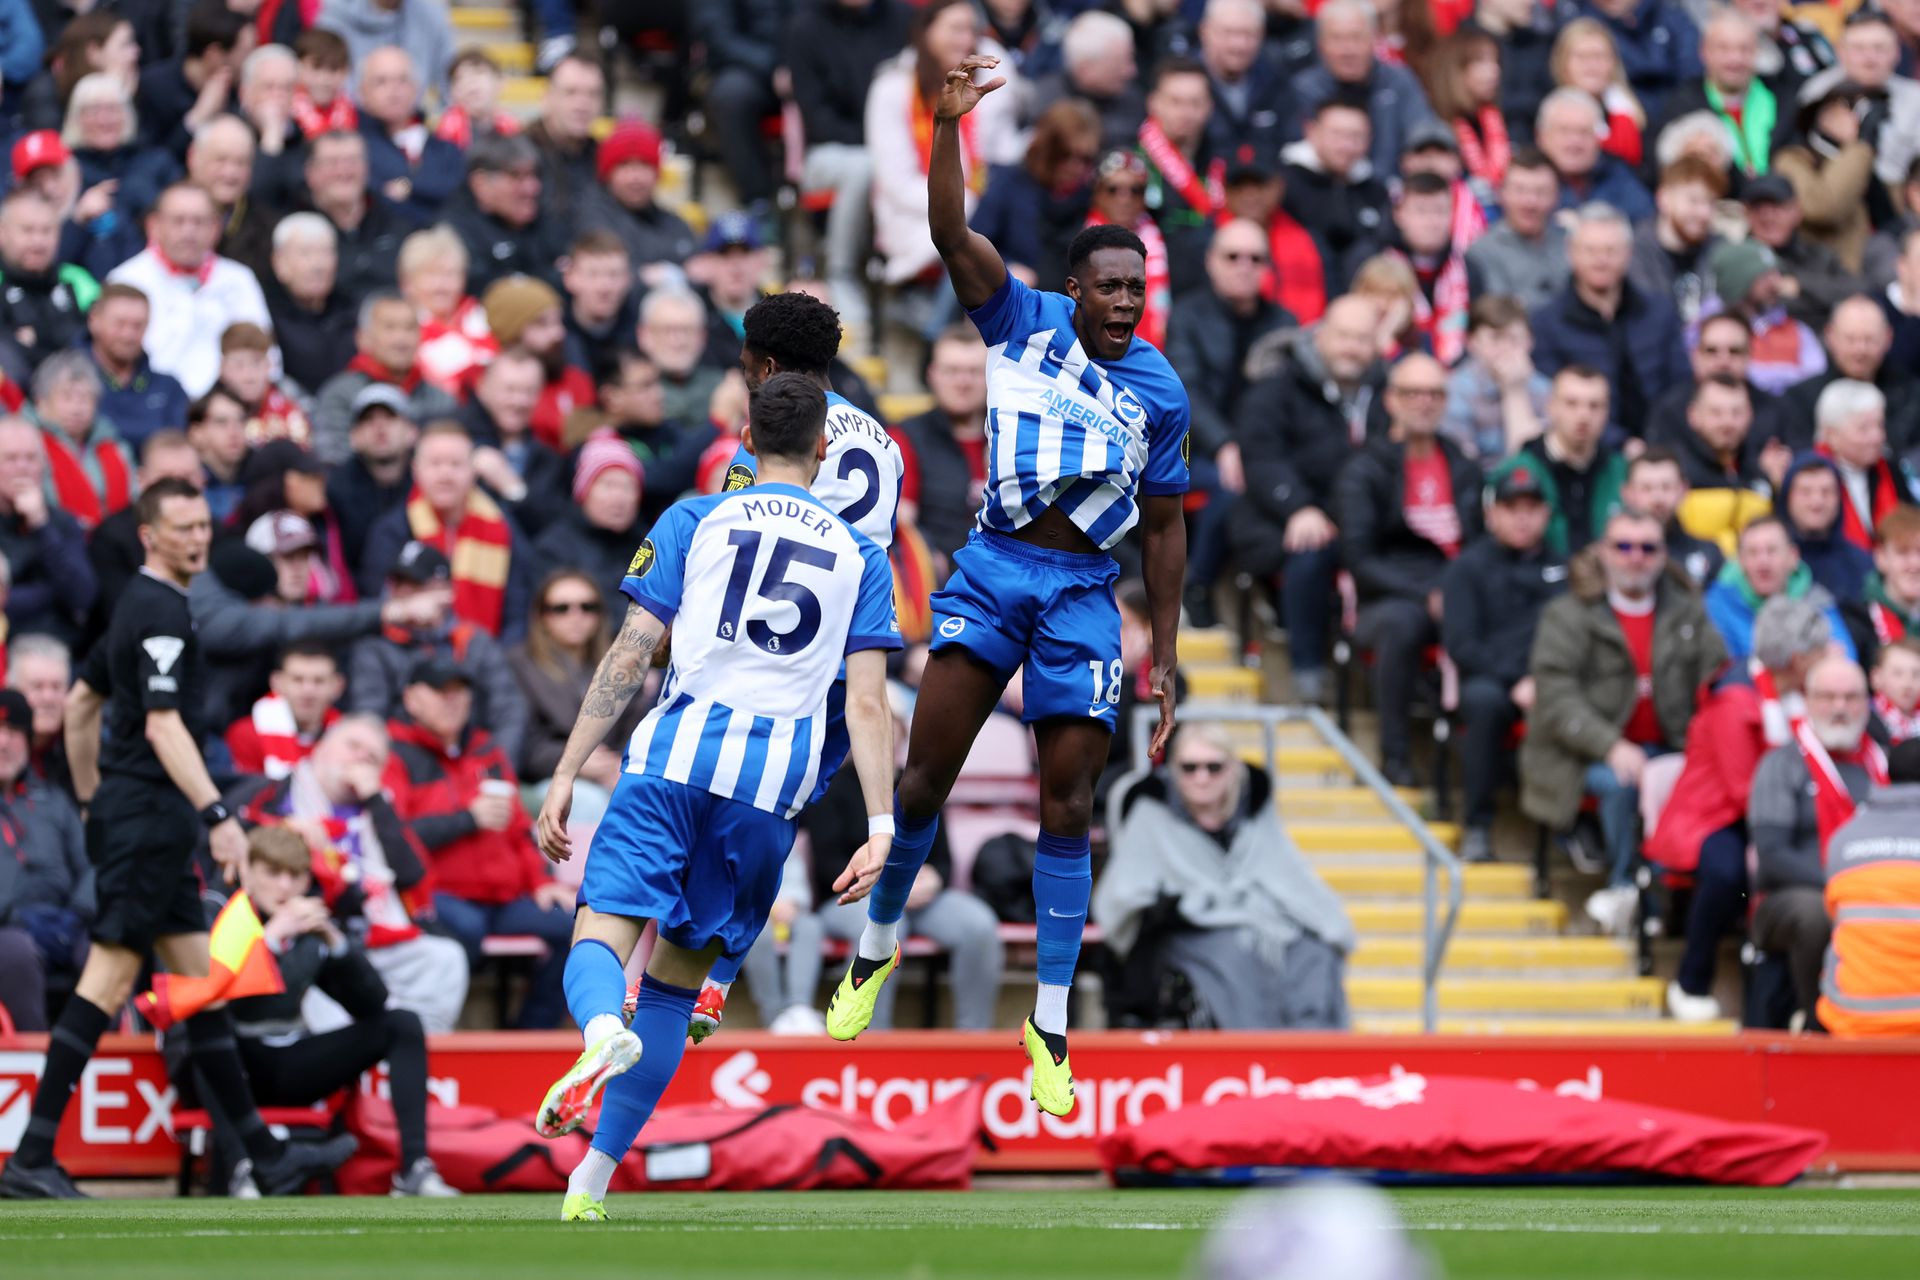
x: 732, y: 231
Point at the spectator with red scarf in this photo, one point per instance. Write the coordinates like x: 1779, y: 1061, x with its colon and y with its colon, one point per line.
x: 89, y: 471
x: 1745, y: 710
x: 1423, y: 222
x: 1464, y: 80
x: 1119, y: 199
x: 388, y: 353
x: 1332, y: 189
x: 1802, y: 793
x: 282, y: 728
x: 1889, y: 608
x: 1405, y: 506
x: 474, y: 82
x: 1850, y: 429
x: 1186, y: 186
x: 245, y: 370
x: 320, y: 101
x: 458, y: 790
x: 448, y: 511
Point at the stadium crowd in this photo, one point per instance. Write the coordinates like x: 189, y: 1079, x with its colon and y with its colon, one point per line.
x: 1570, y: 347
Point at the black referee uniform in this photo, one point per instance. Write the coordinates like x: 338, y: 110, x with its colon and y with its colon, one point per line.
x: 141, y: 830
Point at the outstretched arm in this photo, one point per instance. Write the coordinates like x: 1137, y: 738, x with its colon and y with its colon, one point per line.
x: 615, y: 681
x: 972, y: 261
x: 1164, y: 563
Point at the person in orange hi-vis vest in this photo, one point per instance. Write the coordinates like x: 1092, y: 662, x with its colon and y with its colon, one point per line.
x: 1871, y: 983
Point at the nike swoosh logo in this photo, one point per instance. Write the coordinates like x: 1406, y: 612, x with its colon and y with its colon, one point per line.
x: 1062, y: 915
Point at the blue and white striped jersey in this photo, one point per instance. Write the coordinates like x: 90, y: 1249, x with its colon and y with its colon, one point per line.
x: 767, y: 590
x: 1067, y: 431
x: 861, y: 476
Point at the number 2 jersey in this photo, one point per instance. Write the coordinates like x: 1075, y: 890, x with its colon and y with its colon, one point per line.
x: 767, y: 591
x: 861, y: 476
x: 1063, y: 430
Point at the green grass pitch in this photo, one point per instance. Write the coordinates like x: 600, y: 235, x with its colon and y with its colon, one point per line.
x: 1091, y: 1234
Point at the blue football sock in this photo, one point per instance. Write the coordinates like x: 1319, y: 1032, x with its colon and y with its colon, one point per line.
x: 660, y: 1020
x: 595, y: 982
x: 911, y: 841
x: 726, y: 970
x: 1062, y: 884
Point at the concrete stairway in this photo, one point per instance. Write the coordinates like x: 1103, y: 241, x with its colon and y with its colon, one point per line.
x: 1513, y: 966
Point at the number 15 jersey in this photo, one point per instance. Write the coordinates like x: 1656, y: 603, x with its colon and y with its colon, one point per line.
x: 767, y: 591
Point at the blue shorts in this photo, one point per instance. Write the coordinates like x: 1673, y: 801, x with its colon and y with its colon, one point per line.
x: 1012, y: 605
x: 704, y: 867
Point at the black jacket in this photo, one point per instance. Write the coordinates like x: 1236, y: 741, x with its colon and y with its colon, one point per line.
x: 1207, y: 345
x: 1903, y: 408
x: 741, y: 33
x: 1349, y: 219
x: 314, y: 346
x: 1824, y: 282
x: 1526, y: 75
x: 115, y: 555
x: 433, y: 180
x: 832, y: 53
x: 163, y: 100
x: 1032, y: 227
x: 310, y: 962
x: 1294, y: 438
x: 548, y: 478
x: 358, y: 501
x: 1255, y: 137
x: 603, y: 555
x: 1691, y: 96
x: 370, y: 253
x: 1642, y: 350
x: 496, y: 250
x: 836, y: 825
x: 670, y: 457
x: 651, y: 235
x: 1667, y: 419
x: 1494, y: 596
x: 53, y: 583
x: 48, y: 304
x: 948, y: 504
x: 1388, y: 560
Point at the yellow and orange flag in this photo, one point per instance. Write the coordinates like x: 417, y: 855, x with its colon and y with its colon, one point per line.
x: 242, y: 966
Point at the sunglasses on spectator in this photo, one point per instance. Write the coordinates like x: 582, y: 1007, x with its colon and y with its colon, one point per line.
x: 1641, y: 548
x: 1420, y: 393
x: 560, y: 607
x: 1210, y: 766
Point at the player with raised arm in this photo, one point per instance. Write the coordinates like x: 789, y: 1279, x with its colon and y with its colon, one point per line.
x: 859, y: 481
x: 1086, y: 437
x: 767, y: 591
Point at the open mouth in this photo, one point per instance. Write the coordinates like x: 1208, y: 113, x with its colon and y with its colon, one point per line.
x: 1117, y: 331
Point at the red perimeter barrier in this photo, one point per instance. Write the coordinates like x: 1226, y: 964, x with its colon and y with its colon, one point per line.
x: 1858, y: 1093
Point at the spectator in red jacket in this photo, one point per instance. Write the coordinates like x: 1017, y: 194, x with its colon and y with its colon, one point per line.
x: 458, y: 789
x: 283, y: 727
x: 1744, y: 711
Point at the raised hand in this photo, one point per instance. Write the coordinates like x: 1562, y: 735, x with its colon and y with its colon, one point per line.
x: 960, y: 94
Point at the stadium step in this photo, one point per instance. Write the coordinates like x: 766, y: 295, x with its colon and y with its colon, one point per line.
x: 1485, y: 882
x: 1324, y: 803
x: 1636, y: 996
x: 1524, y: 1026
x: 1473, y: 955
x: 1356, y: 836
x: 1222, y: 684
x: 522, y: 93
x: 479, y: 20
x: 1508, y: 919
x: 1212, y: 646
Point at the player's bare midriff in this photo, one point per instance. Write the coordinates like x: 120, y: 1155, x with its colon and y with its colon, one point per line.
x: 1054, y: 531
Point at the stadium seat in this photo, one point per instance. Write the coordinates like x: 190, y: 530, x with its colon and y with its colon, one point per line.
x: 511, y: 954
x: 999, y: 770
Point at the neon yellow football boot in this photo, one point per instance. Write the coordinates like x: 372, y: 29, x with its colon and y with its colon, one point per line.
x: 1052, y: 1075
x: 579, y: 1207
x: 851, y: 1008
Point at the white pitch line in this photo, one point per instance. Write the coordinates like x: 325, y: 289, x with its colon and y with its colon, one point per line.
x: 268, y: 1231
x: 1661, y: 1229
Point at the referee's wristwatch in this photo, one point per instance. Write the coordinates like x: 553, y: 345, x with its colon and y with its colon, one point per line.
x: 214, y: 814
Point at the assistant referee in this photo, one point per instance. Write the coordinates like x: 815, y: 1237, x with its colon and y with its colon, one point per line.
x: 149, y: 797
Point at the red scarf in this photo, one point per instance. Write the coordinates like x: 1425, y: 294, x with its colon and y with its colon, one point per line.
x: 1832, y: 805
x: 1204, y: 198
x: 1484, y: 148
x: 922, y: 123
x: 480, y: 546
x: 199, y: 274
x: 280, y: 744
x: 338, y: 116
x: 1296, y: 278
x: 1901, y: 725
x: 73, y: 488
x: 277, y: 417
x: 1153, y: 317
x: 1443, y: 321
x: 1774, y: 721
x: 1885, y: 497
x: 1888, y: 626
x: 409, y: 382
x: 456, y: 126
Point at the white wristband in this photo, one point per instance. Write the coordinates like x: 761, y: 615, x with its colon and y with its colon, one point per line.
x: 880, y: 826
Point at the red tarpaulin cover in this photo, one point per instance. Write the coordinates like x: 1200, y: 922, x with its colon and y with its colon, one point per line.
x: 1457, y: 1126
x: 710, y: 1148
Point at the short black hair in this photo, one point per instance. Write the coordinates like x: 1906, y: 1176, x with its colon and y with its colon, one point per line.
x: 1179, y: 65
x: 1426, y: 184
x: 156, y: 494
x: 796, y: 331
x: 1344, y: 98
x: 201, y: 409
x: 305, y: 649
x: 1104, y: 236
x: 787, y: 412
x: 211, y: 25
x: 1529, y: 158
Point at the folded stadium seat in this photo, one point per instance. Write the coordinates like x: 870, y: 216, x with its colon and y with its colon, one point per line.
x: 1657, y: 781
x: 999, y: 769
x: 968, y: 829
x: 511, y: 956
